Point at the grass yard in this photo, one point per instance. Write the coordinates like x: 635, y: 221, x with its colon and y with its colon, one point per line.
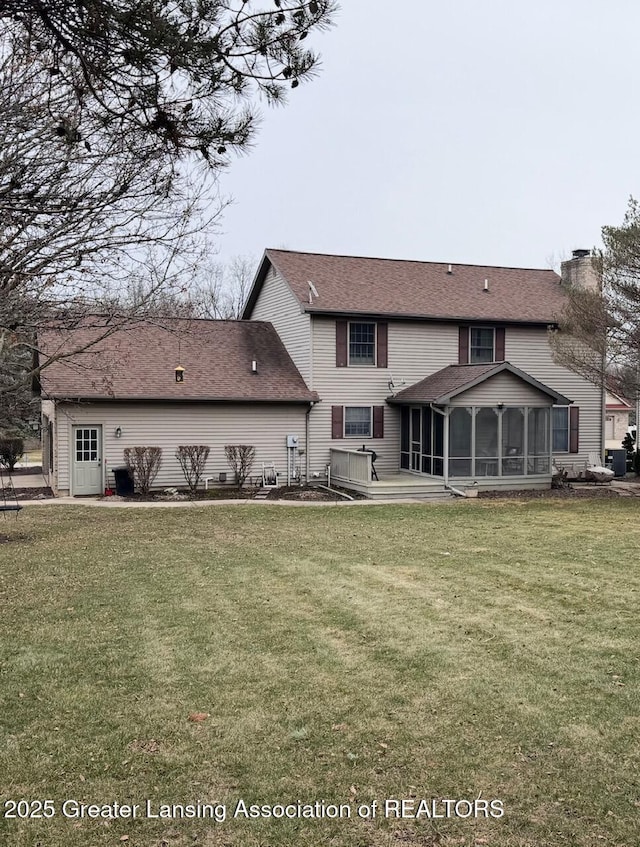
x: 471, y: 652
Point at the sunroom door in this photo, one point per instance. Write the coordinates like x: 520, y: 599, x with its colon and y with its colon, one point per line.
x: 416, y: 439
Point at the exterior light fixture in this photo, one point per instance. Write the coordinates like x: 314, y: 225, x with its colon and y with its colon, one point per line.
x: 118, y: 432
x: 179, y: 374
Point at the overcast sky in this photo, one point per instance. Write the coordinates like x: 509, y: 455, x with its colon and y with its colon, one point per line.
x: 499, y: 133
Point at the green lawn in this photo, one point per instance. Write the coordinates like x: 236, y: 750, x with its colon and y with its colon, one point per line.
x: 467, y: 652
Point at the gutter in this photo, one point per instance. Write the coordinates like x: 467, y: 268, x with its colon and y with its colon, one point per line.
x: 402, y: 316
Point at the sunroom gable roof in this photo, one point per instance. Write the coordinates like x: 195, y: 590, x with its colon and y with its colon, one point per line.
x: 441, y: 387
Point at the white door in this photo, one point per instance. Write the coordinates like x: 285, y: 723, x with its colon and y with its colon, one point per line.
x: 609, y: 428
x: 86, y: 462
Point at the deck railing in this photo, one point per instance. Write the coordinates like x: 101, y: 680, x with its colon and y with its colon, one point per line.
x: 350, y: 465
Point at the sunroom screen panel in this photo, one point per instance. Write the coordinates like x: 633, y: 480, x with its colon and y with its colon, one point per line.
x: 538, y: 441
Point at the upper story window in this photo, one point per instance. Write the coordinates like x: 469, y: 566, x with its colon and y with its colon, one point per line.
x: 362, y: 343
x: 481, y: 345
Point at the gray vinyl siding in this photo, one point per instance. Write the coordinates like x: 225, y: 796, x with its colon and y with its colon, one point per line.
x: 169, y: 425
x: 528, y: 349
x: 415, y: 350
x: 503, y: 388
x: 277, y: 304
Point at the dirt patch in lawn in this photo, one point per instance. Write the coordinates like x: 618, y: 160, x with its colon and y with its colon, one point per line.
x: 550, y: 493
x: 43, y: 493
x: 12, y: 539
x: 309, y: 493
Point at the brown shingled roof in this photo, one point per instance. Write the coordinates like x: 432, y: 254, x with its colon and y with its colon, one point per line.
x: 350, y: 284
x: 441, y: 386
x: 138, y: 362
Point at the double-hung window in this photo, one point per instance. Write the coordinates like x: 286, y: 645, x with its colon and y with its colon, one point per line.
x: 357, y: 422
x: 481, y: 345
x: 362, y: 343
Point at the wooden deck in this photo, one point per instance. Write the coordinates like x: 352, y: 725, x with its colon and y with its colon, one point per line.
x: 399, y: 486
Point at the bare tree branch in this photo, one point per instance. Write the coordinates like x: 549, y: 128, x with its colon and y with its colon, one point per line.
x: 173, y: 75
x: 599, y: 332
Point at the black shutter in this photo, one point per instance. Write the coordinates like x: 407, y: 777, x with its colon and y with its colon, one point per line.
x: 378, y: 421
x: 500, y: 357
x: 574, y: 429
x: 341, y: 344
x: 382, y: 345
x: 463, y: 345
x: 337, y: 418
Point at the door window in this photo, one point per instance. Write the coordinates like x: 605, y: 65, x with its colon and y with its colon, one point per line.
x: 87, y: 445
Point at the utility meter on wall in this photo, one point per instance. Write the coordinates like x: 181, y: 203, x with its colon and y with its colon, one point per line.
x: 292, y: 440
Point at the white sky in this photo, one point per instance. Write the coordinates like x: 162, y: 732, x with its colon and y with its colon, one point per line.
x: 499, y: 133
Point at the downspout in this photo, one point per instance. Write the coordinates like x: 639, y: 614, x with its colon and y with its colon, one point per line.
x: 307, y: 451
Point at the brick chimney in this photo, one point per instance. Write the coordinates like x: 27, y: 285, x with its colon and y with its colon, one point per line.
x: 580, y: 271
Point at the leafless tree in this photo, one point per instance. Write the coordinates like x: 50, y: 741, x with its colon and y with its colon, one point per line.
x: 192, y: 458
x: 214, y: 291
x: 222, y: 291
x: 108, y: 110
x: 240, y: 458
x: 599, y: 332
x: 144, y: 464
x: 78, y: 223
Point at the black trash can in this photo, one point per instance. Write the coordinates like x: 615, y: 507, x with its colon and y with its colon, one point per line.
x: 618, y: 461
x: 124, y: 481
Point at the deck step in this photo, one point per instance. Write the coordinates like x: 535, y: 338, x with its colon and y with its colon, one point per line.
x: 400, y: 487
x: 411, y: 493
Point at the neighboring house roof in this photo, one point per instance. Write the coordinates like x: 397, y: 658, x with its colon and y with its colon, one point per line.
x: 138, y: 362
x: 441, y: 387
x: 351, y: 285
x: 615, y: 403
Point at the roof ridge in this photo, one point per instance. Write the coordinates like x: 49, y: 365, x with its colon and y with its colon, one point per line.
x: 411, y: 261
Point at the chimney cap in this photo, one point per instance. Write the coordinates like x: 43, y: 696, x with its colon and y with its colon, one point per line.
x: 581, y: 254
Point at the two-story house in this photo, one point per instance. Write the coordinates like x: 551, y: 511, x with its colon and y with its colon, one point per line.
x: 444, y: 371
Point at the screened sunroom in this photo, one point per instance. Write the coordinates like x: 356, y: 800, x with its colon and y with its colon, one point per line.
x: 478, y: 423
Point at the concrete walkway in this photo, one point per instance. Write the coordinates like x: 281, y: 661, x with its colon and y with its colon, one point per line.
x: 27, y: 480
x: 626, y: 489
x: 36, y: 480
x: 117, y: 503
